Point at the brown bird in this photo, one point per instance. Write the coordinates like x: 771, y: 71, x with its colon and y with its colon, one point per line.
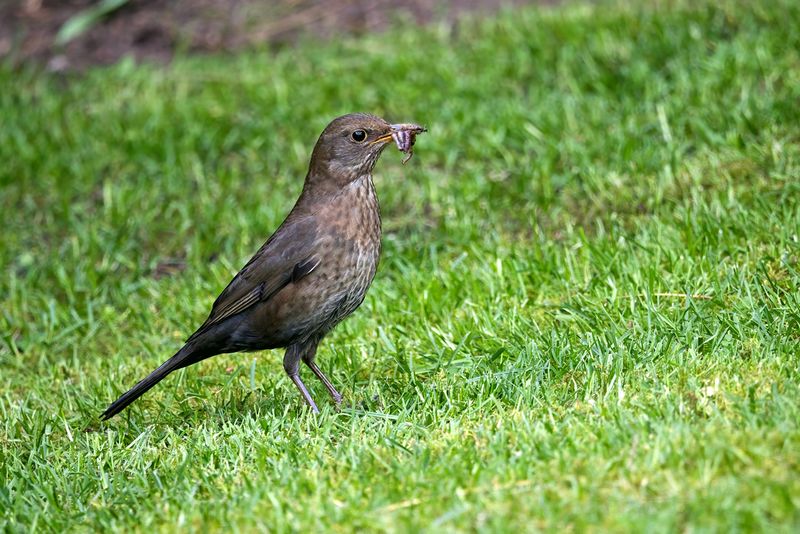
x: 315, y: 269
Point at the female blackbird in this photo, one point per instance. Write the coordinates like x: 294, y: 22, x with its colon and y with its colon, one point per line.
x: 314, y: 270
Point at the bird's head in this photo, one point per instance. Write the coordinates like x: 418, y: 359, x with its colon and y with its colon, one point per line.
x: 350, y: 145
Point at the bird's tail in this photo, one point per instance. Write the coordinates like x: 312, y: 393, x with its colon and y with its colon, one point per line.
x: 184, y: 357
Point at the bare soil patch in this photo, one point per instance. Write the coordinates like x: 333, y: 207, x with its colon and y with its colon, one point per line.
x: 153, y: 30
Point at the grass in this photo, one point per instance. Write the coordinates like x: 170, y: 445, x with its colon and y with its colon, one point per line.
x: 587, y: 314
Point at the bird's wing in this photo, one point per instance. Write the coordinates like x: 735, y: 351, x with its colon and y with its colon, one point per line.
x: 286, y: 257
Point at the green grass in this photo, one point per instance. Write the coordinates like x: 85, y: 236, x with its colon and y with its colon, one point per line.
x: 587, y: 314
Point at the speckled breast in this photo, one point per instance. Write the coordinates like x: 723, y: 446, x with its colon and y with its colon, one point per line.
x: 352, y: 247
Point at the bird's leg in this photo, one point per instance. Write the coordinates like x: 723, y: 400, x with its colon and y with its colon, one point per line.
x: 308, y: 358
x: 291, y: 364
x: 335, y: 395
x: 304, y: 392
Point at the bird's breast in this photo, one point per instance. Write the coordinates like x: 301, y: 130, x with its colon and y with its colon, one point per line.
x: 350, y: 245
x: 352, y: 223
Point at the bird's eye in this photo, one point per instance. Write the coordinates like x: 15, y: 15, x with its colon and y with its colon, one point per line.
x: 359, y: 135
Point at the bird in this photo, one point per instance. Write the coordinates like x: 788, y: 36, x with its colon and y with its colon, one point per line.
x: 312, y: 272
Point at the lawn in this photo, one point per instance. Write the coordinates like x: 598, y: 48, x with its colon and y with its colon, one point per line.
x: 586, y: 317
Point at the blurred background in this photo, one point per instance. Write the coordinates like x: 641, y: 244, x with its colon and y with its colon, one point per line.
x: 74, y: 34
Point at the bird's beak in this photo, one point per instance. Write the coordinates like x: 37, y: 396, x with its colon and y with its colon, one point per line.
x: 397, y: 128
